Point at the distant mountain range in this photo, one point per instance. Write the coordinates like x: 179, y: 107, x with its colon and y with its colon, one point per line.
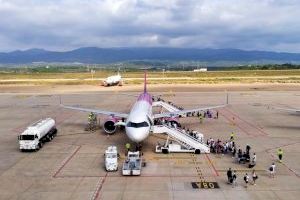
x: 111, y: 55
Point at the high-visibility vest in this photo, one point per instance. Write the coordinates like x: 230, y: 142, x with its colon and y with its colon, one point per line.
x: 279, y: 152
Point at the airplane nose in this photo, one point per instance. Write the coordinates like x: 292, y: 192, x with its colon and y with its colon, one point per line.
x: 137, y: 134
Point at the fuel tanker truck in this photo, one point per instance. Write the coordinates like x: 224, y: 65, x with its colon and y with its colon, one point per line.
x: 37, y: 134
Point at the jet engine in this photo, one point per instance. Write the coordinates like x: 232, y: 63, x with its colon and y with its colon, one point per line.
x: 109, y: 126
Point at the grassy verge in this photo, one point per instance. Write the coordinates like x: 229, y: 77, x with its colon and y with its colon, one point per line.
x: 215, y: 77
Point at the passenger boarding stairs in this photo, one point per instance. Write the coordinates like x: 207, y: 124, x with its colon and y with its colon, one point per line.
x: 182, y: 138
x: 166, y: 106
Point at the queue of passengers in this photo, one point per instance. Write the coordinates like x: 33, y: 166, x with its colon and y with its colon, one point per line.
x: 168, y: 102
x: 198, y: 136
x: 232, y: 178
x: 204, y: 114
x: 242, y: 157
x: 245, y: 157
x: 199, y: 114
x: 220, y: 147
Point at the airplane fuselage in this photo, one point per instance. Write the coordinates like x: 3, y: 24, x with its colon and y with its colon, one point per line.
x: 112, y: 80
x: 140, y: 118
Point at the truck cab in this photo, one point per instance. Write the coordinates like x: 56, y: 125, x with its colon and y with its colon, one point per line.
x: 111, y: 158
x: 28, y: 141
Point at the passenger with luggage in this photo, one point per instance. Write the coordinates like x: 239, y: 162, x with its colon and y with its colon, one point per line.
x: 233, y: 151
x: 254, y: 177
x: 253, y: 161
x: 229, y: 176
x: 234, y: 179
x: 246, y: 179
x: 272, y: 170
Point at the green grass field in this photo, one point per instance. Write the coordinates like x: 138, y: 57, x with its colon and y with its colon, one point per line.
x: 184, y: 77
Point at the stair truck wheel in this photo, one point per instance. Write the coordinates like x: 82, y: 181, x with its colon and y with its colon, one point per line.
x: 165, y: 151
x: 197, y: 151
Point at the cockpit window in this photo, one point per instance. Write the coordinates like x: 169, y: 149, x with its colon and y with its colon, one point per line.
x: 137, y: 125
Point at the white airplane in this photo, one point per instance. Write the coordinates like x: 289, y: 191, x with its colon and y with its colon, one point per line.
x: 113, y: 80
x: 140, y: 119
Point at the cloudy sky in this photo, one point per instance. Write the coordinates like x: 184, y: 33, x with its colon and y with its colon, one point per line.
x: 68, y: 24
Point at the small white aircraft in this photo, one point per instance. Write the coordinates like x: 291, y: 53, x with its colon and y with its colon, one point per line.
x: 139, y: 121
x: 113, y: 80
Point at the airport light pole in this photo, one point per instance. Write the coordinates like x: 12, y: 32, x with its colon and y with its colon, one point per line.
x: 92, y: 73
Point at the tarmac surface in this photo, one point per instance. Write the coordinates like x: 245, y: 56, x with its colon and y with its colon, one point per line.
x: 72, y: 166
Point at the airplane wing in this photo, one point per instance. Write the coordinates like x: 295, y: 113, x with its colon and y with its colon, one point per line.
x: 287, y: 109
x: 103, y: 112
x: 181, y: 112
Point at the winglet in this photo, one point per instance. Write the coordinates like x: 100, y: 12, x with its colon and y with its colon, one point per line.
x: 145, y: 82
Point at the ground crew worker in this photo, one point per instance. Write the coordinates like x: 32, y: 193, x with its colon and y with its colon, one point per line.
x: 232, y: 136
x: 92, y: 117
x: 92, y: 121
x: 280, y: 153
x: 127, y: 145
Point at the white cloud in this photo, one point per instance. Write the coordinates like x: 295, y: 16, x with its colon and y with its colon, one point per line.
x: 68, y: 24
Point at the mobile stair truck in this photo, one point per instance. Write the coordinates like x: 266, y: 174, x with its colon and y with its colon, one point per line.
x: 37, y: 134
x: 111, y: 158
x: 184, y: 142
x: 132, y: 165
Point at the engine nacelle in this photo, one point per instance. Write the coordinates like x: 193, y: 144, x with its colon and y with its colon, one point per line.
x: 109, y: 126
